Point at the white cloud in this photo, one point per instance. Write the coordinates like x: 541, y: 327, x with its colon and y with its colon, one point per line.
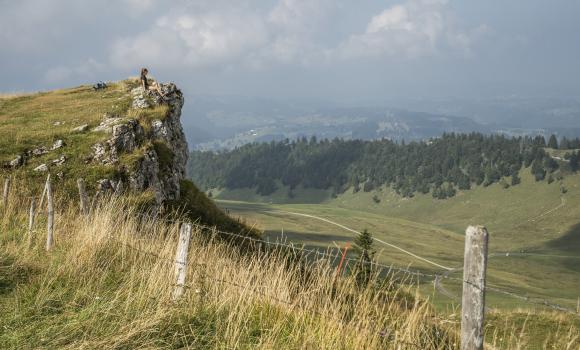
x: 192, y: 40
x: 241, y: 35
x: 412, y: 29
x: 291, y: 32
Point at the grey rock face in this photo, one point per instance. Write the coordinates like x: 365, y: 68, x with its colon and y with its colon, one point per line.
x: 146, y: 175
x: 140, y: 100
x: 169, y: 130
x: 107, y: 124
x: 100, y: 153
x: 125, y: 138
x: 128, y: 135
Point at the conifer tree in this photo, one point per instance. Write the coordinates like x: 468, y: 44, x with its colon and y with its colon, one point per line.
x: 364, y: 248
x: 553, y: 142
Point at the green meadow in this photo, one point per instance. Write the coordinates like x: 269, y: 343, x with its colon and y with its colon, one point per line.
x: 534, y: 234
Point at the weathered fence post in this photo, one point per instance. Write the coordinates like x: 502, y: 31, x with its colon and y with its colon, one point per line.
x: 31, y: 221
x: 6, y: 191
x: 473, y: 300
x: 84, y: 202
x: 50, y: 220
x: 181, y: 259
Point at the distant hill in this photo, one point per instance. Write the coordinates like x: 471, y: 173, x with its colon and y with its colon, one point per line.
x: 226, y: 122
x: 439, y: 166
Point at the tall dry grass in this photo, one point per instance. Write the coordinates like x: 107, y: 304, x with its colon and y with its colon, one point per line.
x: 108, y: 284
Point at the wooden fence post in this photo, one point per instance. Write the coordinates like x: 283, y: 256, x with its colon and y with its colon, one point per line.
x: 6, y: 191
x: 31, y: 221
x: 473, y: 300
x: 181, y: 259
x: 84, y: 202
x: 50, y: 220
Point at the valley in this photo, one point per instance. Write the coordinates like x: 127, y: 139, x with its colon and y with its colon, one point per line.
x: 534, y: 244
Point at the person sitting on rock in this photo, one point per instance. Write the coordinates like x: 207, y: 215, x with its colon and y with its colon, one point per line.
x: 150, y: 85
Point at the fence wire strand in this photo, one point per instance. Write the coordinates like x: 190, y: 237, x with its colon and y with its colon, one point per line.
x: 432, y: 277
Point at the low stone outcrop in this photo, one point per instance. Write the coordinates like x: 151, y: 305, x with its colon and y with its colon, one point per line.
x: 126, y: 136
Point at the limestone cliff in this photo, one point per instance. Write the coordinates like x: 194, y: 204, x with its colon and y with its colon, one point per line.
x: 158, y: 144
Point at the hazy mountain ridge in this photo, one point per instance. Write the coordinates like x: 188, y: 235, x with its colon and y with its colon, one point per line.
x: 226, y: 122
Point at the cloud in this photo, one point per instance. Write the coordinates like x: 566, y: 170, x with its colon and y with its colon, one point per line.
x: 242, y: 35
x: 192, y: 40
x: 291, y: 32
x: 413, y: 29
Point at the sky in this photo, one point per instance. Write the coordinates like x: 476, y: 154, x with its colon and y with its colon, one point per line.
x: 328, y: 49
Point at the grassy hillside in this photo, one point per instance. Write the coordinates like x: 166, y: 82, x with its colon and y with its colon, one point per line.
x: 534, y: 244
x: 108, y: 283
x: 36, y: 121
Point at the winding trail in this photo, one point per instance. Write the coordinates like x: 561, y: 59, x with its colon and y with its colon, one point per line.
x: 549, y: 211
x: 358, y: 233
x: 449, y: 270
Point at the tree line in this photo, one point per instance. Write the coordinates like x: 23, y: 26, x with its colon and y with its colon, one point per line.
x: 440, y: 166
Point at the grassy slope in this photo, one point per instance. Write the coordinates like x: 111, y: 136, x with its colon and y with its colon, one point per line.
x: 109, y: 279
x: 528, y: 217
x: 28, y: 122
x: 36, y: 120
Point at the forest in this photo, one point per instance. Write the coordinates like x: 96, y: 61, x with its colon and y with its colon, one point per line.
x: 440, y: 166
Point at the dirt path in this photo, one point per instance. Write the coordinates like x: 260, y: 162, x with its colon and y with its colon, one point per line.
x: 358, y: 233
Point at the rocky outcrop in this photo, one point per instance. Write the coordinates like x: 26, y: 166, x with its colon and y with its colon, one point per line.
x: 162, y: 165
x: 169, y: 132
x: 126, y: 135
x: 22, y: 158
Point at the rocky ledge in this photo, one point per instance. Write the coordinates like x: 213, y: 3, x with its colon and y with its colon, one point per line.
x: 163, y: 148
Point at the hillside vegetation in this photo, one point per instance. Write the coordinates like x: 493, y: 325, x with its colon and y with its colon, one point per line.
x: 109, y: 279
x: 59, y: 129
x: 439, y: 166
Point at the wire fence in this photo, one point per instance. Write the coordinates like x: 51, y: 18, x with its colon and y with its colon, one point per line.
x: 244, y: 288
x: 432, y: 277
x: 332, y: 257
